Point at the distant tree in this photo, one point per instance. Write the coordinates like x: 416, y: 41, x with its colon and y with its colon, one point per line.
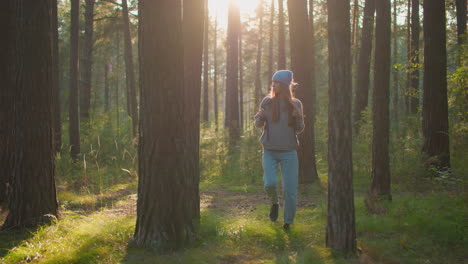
x: 270, y: 42
x: 168, y: 219
x: 435, y: 105
x: 354, y: 25
x: 381, y: 100
x: 281, y: 38
x: 341, y: 232
x: 361, y: 97
x: 312, y: 57
x: 129, y: 70
x: 461, y: 20
x: 414, y: 55
x: 407, y: 92
x: 258, y: 68
x: 301, y: 65
x: 206, y: 53
x: 32, y: 199
x: 74, y: 123
x: 215, y: 73
x: 106, y: 87
x: 87, y: 64
x: 241, y: 82
x: 395, y: 72
x: 232, y: 72
x: 57, y: 121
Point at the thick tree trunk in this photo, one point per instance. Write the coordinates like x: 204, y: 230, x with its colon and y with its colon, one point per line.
x: 414, y: 55
x: 241, y: 82
x: 281, y: 38
x: 258, y: 68
x: 232, y: 73
x: 435, y: 106
x: 166, y: 220
x: 362, y: 83
x: 381, y: 101
x: 301, y: 66
x: 129, y: 70
x: 74, y: 123
x: 86, y: 70
x: 215, y: 77
x: 395, y: 69
x: 270, y: 43
x: 194, y: 19
x: 206, y: 53
x: 461, y: 20
x: 56, y: 85
x: 32, y: 199
x: 341, y: 233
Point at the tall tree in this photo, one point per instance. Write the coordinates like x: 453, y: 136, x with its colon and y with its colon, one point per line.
x: 258, y: 68
x: 364, y: 60
x: 57, y: 121
x: 414, y: 55
x: 435, y: 105
x: 129, y: 69
x: 408, y: 59
x: 312, y: 56
x: 270, y: 42
x: 395, y: 74
x: 74, y: 123
x: 87, y: 64
x: 381, y: 100
x: 355, y: 23
x: 461, y: 20
x: 206, y: 53
x: 168, y: 220
x: 341, y: 232
x: 301, y: 66
x: 106, y: 87
x: 241, y: 82
x: 281, y: 37
x: 33, y: 198
x: 215, y: 73
x: 194, y: 19
x: 232, y: 72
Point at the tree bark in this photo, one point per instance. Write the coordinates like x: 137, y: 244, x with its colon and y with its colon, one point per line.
x: 215, y: 77
x: 355, y: 23
x: 129, y: 70
x: 106, y: 87
x: 301, y: 66
x: 381, y: 181
x: 166, y: 221
x: 394, y: 62
x: 32, y: 200
x: 74, y: 124
x: 85, y: 94
x: 241, y: 82
x: 408, y: 60
x: 341, y: 233
x: 57, y: 121
x: 362, y: 82
x: 206, y: 53
x: 232, y: 73
x: 461, y: 20
x: 258, y: 68
x: 270, y: 44
x: 414, y: 55
x: 281, y: 38
x: 435, y: 106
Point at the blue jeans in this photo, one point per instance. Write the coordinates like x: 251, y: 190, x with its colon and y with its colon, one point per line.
x: 289, y: 172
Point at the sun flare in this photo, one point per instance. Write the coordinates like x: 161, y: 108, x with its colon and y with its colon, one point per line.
x: 220, y: 7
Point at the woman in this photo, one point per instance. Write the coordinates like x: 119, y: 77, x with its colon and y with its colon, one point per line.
x: 281, y: 118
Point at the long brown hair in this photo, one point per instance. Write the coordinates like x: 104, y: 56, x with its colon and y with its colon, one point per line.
x: 285, y: 91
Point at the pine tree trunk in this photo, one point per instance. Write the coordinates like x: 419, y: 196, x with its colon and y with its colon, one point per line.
x: 241, y: 82
x: 281, y: 38
x: 129, y: 70
x: 408, y: 60
x: 312, y: 58
x: 414, y: 73
x: 166, y: 208
x: 232, y: 73
x: 215, y: 77
x: 461, y: 20
x: 355, y: 23
x: 74, y: 124
x: 206, y: 53
x: 381, y: 101
x: 435, y: 106
x: 106, y: 87
x: 362, y: 83
x: 56, y: 85
x: 341, y: 233
x: 394, y: 62
x: 85, y: 94
x: 32, y: 200
x: 301, y: 66
x: 258, y: 68
x: 270, y: 43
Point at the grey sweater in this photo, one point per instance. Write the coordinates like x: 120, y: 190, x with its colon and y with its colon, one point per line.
x: 279, y: 135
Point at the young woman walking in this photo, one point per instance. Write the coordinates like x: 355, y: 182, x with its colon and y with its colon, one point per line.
x: 281, y: 118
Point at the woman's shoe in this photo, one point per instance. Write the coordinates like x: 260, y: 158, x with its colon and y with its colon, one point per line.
x: 274, y: 212
x: 286, y: 227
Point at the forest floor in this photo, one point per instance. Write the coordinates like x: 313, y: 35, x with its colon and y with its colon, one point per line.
x: 97, y: 228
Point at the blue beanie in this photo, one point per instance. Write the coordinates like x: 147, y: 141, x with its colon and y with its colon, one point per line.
x: 283, y: 76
